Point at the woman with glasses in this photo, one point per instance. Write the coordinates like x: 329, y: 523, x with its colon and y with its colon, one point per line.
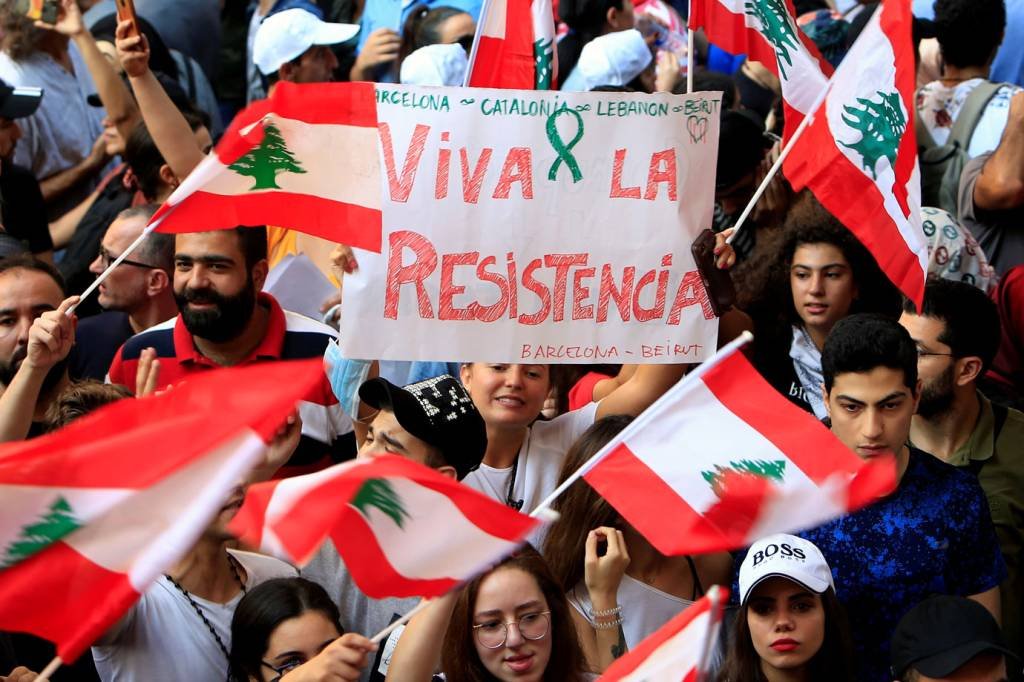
x: 510, y: 623
x: 283, y: 623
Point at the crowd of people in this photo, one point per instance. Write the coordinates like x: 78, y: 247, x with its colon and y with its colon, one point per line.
x: 98, y: 126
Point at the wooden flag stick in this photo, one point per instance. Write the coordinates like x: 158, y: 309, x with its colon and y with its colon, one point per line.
x: 50, y: 669
x: 376, y: 639
x: 808, y: 119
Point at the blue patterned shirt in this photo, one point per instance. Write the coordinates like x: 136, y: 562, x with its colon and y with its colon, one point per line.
x: 934, y: 535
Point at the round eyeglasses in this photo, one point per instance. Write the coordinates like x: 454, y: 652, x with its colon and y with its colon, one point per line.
x: 493, y: 634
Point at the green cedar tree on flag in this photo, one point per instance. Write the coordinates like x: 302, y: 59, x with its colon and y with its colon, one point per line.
x: 859, y: 154
x: 91, y: 514
x: 306, y: 158
x: 383, y: 513
x: 514, y: 46
x: 766, y: 31
x: 688, y: 490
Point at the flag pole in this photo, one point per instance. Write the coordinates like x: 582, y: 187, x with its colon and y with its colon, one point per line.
x: 545, y: 506
x: 50, y: 669
x: 689, y: 47
x: 117, y: 261
x: 484, y: 11
x: 808, y: 119
x: 377, y: 638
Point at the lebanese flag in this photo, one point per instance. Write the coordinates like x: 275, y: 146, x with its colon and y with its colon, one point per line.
x: 306, y: 158
x: 680, y: 650
x: 723, y: 459
x: 766, y: 31
x: 514, y: 46
x: 91, y: 514
x: 859, y: 154
x: 402, y: 529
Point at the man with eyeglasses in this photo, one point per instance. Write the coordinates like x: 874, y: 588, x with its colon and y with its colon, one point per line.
x: 137, y: 295
x: 957, y: 335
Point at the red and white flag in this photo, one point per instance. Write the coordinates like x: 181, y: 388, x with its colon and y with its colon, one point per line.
x: 514, y: 46
x: 402, y: 529
x: 680, y: 650
x: 306, y: 158
x: 859, y: 154
x: 766, y: 31
x: 723, y: 459
x: 92, y: 514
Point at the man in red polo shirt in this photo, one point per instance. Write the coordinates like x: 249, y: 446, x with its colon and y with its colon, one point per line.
x: 224, y: 320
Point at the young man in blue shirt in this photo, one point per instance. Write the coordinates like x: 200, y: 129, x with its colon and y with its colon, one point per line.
x: 933, y: 534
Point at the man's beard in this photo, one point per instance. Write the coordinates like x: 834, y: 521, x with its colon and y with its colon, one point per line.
x: 53, y: 376
x: 937, y: 396
x: 226, y: 320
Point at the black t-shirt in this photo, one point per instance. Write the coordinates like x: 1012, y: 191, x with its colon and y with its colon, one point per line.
x: 85, y: 243
x: 97, y: 339
x: 22, y: 209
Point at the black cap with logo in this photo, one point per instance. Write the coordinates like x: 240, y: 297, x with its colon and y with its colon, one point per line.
x: 943, y: 633
x: 439, y: 412
x: 18, y: 102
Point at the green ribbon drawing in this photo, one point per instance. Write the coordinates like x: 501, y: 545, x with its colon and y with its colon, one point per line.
x: 564, y: 150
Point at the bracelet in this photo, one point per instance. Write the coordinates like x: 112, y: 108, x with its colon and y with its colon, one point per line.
x: 607, y: 612
x: 610, y: 625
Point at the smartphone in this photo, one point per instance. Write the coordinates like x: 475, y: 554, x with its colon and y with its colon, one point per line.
x: 126, y: 10
x: 38, y: 10
x: 717, y: 283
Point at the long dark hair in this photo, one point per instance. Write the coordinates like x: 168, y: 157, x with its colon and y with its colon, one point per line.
x: 459, y: 659
x: 833, y: 661
x: 809, y: 223
x: 580, y: 508
x: 423, y: 27
x: 265, y: 607
x: 585, y: 19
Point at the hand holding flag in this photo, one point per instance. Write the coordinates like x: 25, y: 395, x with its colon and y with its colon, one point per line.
x: 91, y: 514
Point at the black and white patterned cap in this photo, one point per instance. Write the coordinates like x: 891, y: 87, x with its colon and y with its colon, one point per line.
x: 438, y: 411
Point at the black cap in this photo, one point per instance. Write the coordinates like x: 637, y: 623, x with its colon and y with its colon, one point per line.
x: 439, y: 412
x: 741, y: 147
x: 943, y: 633
x: 18, y: 102
x: 172, y: 87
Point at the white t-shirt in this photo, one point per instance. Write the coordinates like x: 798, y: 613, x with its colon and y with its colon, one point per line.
x: 939, y: 105
x: 162, y: 638
x: 540, y: 460
x: 644, y: 608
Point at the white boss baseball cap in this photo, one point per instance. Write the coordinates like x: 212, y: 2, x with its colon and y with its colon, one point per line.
x: 285, y: 35
x: 435, y: 65
x: 784, y: 556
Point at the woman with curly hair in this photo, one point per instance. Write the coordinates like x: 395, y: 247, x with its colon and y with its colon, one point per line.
x: 821, y: 274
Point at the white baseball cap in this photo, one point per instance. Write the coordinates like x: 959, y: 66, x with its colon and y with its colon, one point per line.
x: 285, y: 35
x: 612, y: 59
x: 435, y: 65
x: 784, y: 556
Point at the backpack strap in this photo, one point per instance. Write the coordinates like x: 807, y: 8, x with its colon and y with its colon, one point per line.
x: 971, y: 112
x: 999, y: 414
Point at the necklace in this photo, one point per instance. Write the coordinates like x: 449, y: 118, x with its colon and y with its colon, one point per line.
x: 202, y: 616
x: 509, y: 496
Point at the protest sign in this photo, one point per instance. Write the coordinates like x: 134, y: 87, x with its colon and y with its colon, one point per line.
x: 529, y: 226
